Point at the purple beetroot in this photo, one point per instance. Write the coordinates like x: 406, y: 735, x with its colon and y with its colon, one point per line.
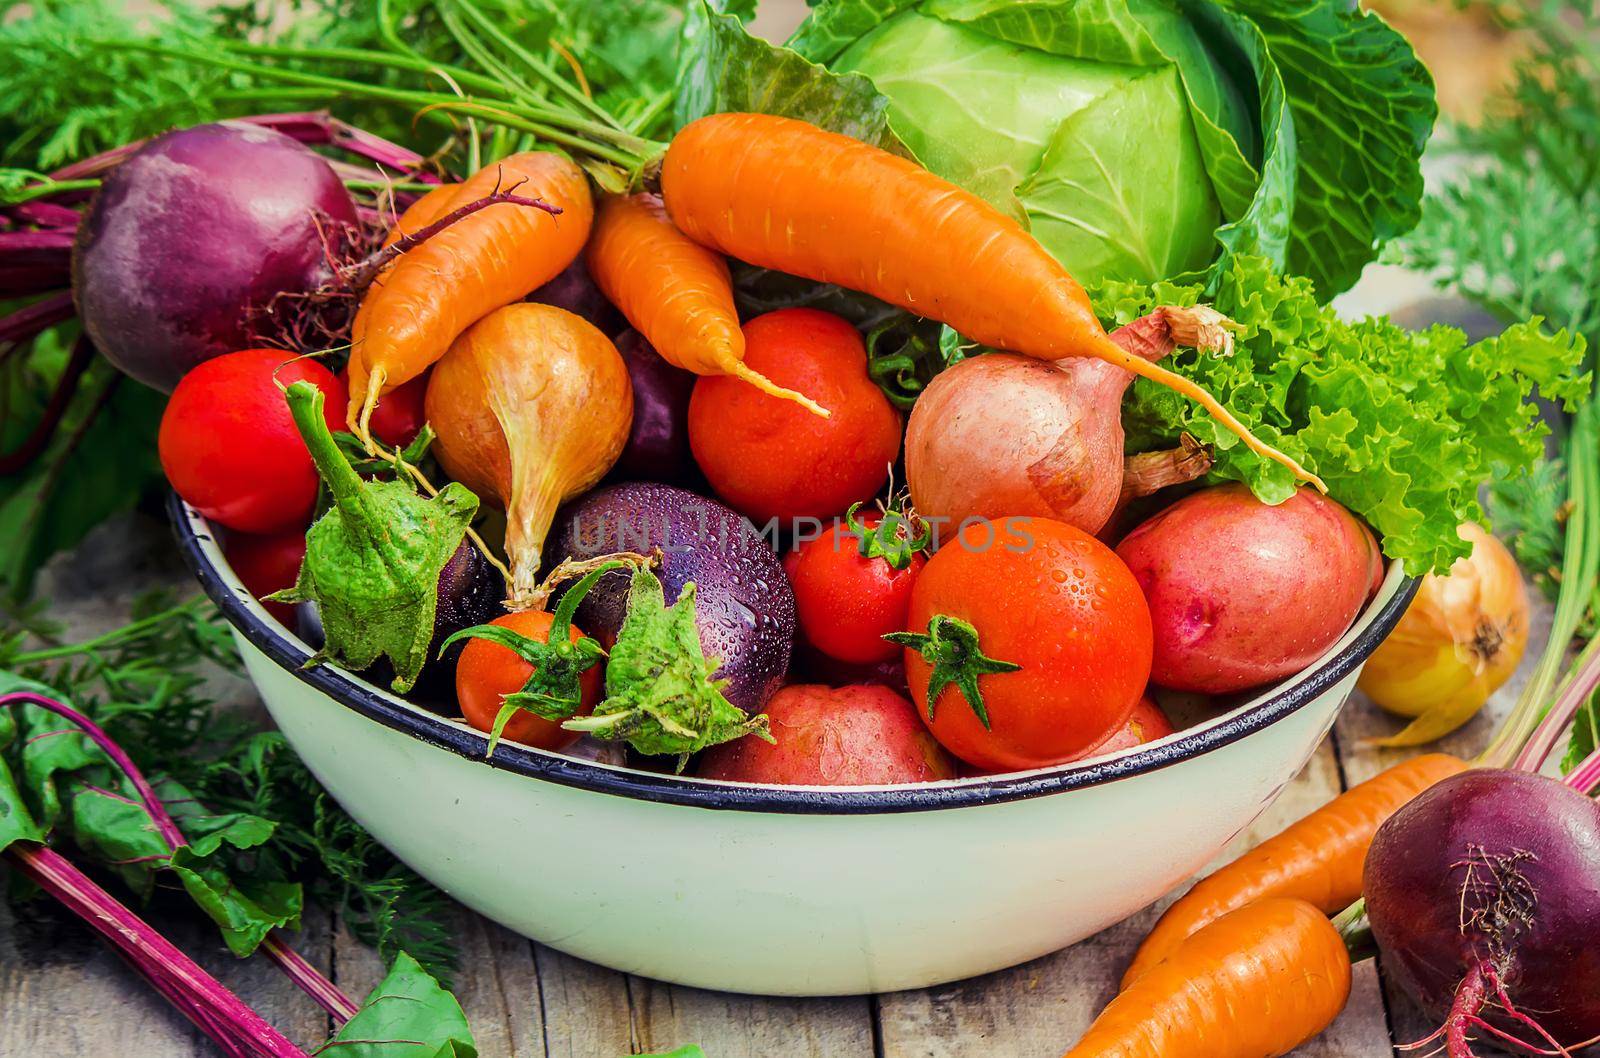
x: 1484, y: 897
x: 575, y: 291
x: 191, y: 239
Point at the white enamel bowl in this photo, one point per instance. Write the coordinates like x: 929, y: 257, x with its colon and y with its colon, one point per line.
x: 786, y: 890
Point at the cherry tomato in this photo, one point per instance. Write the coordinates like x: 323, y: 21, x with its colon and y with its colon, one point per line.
x: 487, y: 672
x: 267, y: 564
x: 771, y: 458
x: 1044, y: 637
x: 230, y: 448
x: 398, y: 416
x: 848, y: 591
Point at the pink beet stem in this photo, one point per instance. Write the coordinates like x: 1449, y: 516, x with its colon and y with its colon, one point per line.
x: 41, y: 315
x: 1577, y: 690
x: 1586, y: 776
x: 311, y: 981
x: 152, y: 952
x: 309, y: 126
x: 36, y: 245
x: 44, y: 215
x: 302, y: 973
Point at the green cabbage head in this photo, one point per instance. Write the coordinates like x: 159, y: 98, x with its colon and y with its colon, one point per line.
x: 1152, y: 139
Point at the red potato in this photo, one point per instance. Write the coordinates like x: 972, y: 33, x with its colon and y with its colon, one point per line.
x: 1241, y: 592
x: 1146, y: 723
x: 863, y: 735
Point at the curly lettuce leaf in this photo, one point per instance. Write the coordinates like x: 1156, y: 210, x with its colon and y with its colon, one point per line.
x: 1402, y: 425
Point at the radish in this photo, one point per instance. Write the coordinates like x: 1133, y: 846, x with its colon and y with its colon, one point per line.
x: 1484, y: 895
x: 1242, y: 592
x: 999, y: 436
x: 192, y: 238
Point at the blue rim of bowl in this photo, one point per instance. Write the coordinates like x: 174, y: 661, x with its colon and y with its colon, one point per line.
x: 287, y: 653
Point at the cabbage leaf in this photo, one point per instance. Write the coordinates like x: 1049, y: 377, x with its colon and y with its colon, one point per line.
x: 723, y: 68
x: 1402, y: 425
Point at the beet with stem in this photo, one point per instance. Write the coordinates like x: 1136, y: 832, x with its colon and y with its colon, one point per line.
x: 1484, y: 896
x: 192, y: 238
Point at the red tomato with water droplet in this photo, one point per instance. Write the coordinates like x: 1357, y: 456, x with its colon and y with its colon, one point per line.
x: 1059, y: 604
x: 230, y: 448
x: 846, y: 603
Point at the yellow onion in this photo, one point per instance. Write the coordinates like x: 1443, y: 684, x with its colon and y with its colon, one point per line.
x: 532, y: 406
x: 1461, y: 638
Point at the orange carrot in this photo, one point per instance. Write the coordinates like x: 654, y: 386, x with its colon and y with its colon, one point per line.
x: 419, y: 305
x: 785, y: 194
x: 1318, y: 859
x: 674, y: 291
x: 1256, y: 983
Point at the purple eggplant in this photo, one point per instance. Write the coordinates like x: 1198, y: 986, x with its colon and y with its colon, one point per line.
x: 744, y: 605
x: 576, y: 292
x: 658, y: 443
x: 469, y: 593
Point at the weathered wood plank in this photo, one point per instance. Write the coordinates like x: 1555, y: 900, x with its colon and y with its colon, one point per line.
x: 586, y: 1008
x: 1038, y: 1010
x: 738, y: 1026
x: 497, y: 984
x: 64, y: 992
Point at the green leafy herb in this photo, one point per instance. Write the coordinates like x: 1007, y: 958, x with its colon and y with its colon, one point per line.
x: 372, y: 563
x: 407, y: 1016
x: 148, y: 684
x: 1402, y: 425
x: 1529, y: 511
x: 660, y: 697
x: 100, y: 458
x: 77, y: 790
x: 1515, y: 229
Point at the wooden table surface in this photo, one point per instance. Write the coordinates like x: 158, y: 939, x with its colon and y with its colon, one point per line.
x: 63, y: 994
